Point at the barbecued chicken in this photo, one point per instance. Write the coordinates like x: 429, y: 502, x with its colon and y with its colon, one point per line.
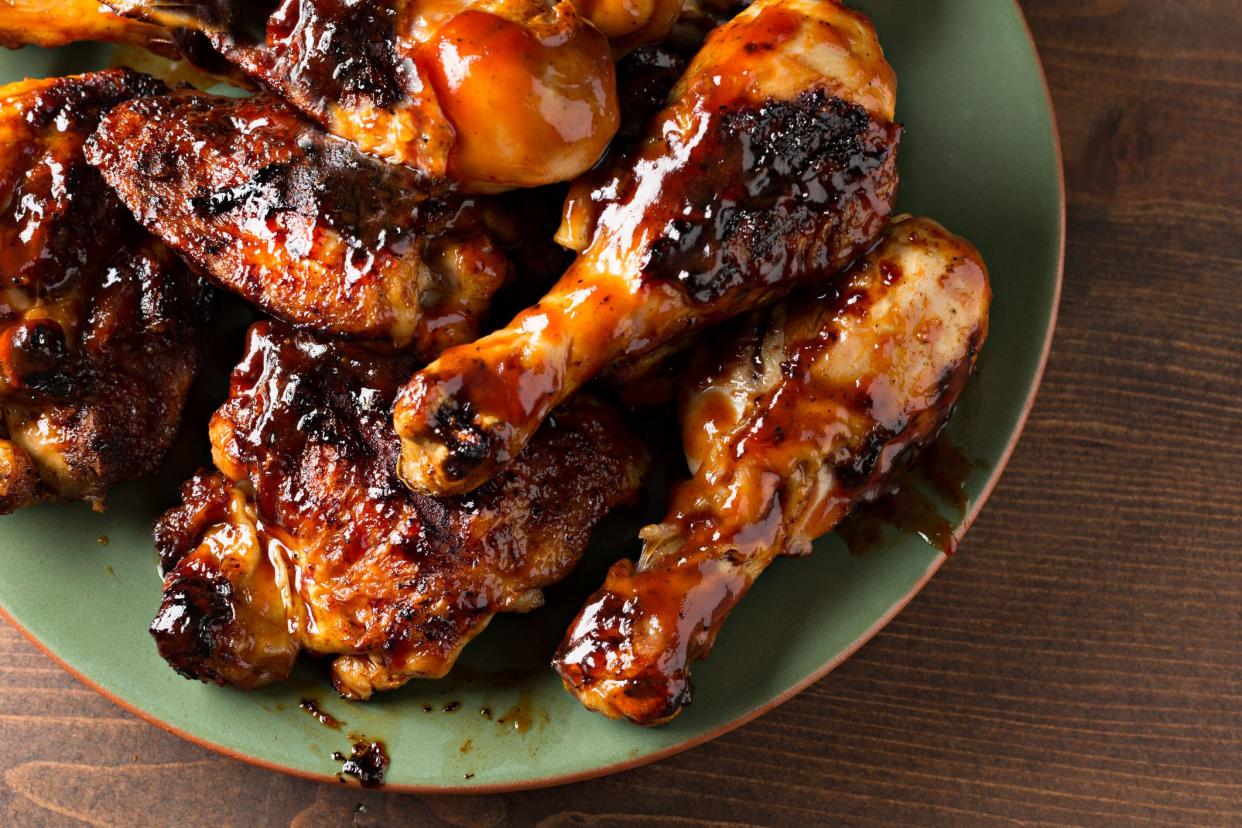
x: 805, y: 410
x: 773, y: 164
x: 306, y: 539
x: 60, y: 22
x: 301, y: 223
x: 492, y: 93
x: 99, y: 323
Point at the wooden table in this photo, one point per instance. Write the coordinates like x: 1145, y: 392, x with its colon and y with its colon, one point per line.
x: 1080, y: 661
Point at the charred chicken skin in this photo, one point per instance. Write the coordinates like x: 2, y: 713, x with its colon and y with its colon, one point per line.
x: 492, y: 93
x: 306, y: 539
x: 774, y: 163
x: 51, y: 23
x: 99, y: 323
x: 302, y: 223
x: 805, y: 410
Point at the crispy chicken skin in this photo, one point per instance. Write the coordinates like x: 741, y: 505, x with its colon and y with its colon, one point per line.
x: 305, y: 538
x: 493, y: 93
x: 302, y: 223
x: 99, y: 323
x: 774, y: 163
x: 804, y: 410
x: 61, y: 22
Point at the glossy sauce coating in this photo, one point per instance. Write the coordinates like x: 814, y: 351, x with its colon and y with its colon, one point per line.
x: 305, y: 538
x: 99, y: 323
x: 803, y: 411
x: 301, y: 222
x: 645, y: 77
x: 494, y: 94
x: 774, y: 163
x: 942, y: 470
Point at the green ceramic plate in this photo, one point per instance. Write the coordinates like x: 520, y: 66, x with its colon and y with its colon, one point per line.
x: 980, y: 155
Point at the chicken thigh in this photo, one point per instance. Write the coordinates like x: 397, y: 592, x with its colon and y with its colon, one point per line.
x: 305, y: 539
x: 301, y: 223
x: 100, y: 324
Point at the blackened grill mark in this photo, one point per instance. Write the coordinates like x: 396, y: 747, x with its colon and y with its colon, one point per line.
x: 370, y: 204
x: 269, y: 189
x: 468, y: 443
x: 77, y: 104
x: 194, y: 612
x: 346, y: 49
x: 797, y: 163
x: 859, y: 466
x: 644, y: 79
x: 35, y: 357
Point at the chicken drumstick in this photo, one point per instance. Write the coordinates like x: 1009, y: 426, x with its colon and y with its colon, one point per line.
x: 807, y: 410
x: 774, y: 163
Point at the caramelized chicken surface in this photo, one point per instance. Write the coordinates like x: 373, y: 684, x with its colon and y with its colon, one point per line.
x: 306, y: 539
x: 492, y: 93
x: 774, y: 163
x: 52, y: 23
x: 807, y: 409
x: 302, y: 223
x: 99, y: 323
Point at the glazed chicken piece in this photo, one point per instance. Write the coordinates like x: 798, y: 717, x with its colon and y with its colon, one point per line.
x: 306, y: 539
x: 495, y: 94
x: 775, y: 163
x: 301, y: 223
x: 805, y: 410
x: 99, y: 323
x: 61, y: 22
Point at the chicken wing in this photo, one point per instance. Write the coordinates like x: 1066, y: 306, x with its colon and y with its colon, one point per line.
x: 774, y: 163
x: 306, y: 539
x: 806, y: 410
x: 492, y: 93
x: 61, y: 22
x: 301, y: 223
x: 99, y: 323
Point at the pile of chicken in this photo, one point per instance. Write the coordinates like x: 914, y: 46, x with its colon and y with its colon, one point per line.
x: 392, y: 467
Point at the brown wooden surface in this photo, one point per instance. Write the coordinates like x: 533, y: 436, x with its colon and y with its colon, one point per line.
x: 1080, y: 661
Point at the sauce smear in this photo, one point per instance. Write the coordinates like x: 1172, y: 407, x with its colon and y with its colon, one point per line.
x: 326, y: 719
x: 942, y: 468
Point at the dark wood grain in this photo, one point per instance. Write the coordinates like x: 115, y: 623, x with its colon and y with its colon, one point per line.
x: 1079, y: 661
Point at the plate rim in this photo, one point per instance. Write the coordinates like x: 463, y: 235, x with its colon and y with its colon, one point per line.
x: 759, y: 710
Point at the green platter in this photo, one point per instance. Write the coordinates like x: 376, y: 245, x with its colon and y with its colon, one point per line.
x: 980, y: 155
